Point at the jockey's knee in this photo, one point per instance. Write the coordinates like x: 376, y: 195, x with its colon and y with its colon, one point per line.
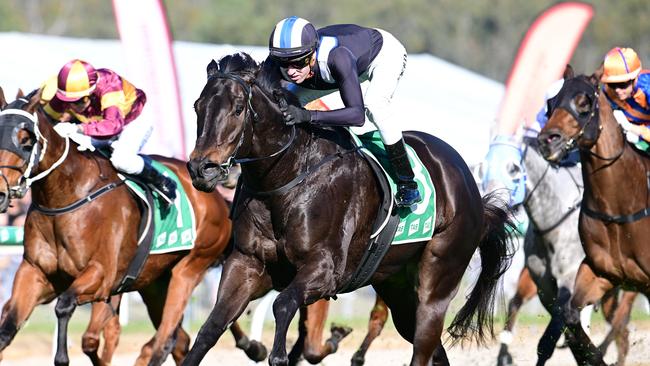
x: 127, y: 163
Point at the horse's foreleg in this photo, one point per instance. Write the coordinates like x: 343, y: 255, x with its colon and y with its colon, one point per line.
x: 30, y: 288
x: 587, y: 290
x: 308, y: 286
x: 553, y: 331
x: 314, y: 350
x: 296, y: 351
x: 242, y: 279
x: 526, y: 290
x: 185, y: 276
x: 378, y: 317
x: 86, y: 287
x: 111, y: 331
x: 255, y: 350
x: 65, y: 306
x: 619, y: 319
x: 103, y: 319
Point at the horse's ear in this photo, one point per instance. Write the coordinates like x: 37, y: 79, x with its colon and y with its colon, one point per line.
x: 595, y: 78
x: 213, y: 69
x: 568, y: 72
x: 3, y: 100
x: 34, y: 101
x: 20, y: 94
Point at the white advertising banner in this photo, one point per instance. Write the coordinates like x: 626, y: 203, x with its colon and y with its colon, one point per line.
x: 149, y: 59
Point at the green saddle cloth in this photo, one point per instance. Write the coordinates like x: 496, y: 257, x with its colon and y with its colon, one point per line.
x: 416, y: 222
x: 174, y: 227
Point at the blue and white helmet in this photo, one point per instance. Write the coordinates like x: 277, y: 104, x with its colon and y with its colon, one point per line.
x: 292, y: 39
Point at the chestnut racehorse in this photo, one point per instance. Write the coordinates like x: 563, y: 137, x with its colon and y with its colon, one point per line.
x: 305, y: 212
x: 81, y: 255
x: 613, y: 225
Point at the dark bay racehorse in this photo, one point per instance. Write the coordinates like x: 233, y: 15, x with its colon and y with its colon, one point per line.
x: 613, y: 227
x: 305, y: 212
x: 80, y: 256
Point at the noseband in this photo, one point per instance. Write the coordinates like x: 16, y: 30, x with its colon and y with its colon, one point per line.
x: 250, y: 112
x: 12, y: 120
x: 566, y: 100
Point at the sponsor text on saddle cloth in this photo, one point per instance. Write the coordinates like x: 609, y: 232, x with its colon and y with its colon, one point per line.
x: 416, y: 222
x: 174, y: 227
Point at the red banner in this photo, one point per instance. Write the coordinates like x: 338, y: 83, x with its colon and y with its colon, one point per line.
x: 147, y: 44
x: 542, y: 57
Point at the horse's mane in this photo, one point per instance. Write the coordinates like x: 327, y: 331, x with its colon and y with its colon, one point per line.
x: 266, y: 74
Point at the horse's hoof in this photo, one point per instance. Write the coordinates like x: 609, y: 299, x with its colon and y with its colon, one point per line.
x: 504, y: 358
x: 340, y: 331
x: 278, y: 361
x: 256, y: 351
x: 358, y: 359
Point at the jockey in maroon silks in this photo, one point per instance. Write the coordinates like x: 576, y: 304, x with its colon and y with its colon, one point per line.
x: 106, y: 105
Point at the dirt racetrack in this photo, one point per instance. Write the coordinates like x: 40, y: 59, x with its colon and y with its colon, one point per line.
x: 389, y: 349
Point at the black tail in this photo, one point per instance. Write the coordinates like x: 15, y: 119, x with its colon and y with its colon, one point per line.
x: 496, y: 249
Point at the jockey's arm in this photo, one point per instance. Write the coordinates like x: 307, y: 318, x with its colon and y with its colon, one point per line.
x: 642, y: 131
x: 111, y: 124
x: 344, y: 71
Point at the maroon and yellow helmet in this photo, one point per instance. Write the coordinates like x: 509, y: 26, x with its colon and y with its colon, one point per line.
x: 77, y: 79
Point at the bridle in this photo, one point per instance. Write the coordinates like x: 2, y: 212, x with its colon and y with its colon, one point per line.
x: 15, y: 118
x: 280, y: 100
x: 250, y: 118
x: 580, y: 85
x: 528, y: 141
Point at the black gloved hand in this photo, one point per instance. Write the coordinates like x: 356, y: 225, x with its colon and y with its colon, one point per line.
x: 294, y: 115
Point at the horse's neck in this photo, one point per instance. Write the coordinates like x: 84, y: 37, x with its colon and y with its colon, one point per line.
x: 552, y: 192
x: 620, y: 171
x: 64, y: 183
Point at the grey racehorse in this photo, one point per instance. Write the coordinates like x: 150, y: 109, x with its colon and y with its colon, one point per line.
x: 552, y: 247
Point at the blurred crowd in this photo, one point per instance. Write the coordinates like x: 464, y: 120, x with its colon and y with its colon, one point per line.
x: 11, y: 234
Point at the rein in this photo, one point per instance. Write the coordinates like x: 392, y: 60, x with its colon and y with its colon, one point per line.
x: 617, y: 219
x: 249, y: 112
x: 566, y: 215
x: 37, y: 154
x: 282, y: 103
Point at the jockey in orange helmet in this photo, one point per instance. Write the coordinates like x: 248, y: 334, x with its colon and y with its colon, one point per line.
x: 627, y: 88
x: 105, y: 104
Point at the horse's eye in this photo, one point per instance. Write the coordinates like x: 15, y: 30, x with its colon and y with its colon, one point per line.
x: 238, y: 110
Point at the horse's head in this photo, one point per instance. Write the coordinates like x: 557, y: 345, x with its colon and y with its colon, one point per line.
x: 227, y: 118
x: 503, y: 172
x: 574, y: 118
x: 18, y: 145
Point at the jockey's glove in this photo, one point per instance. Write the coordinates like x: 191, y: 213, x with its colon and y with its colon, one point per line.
x: 294, y: 115
x: 85, y: 142
x: 65, y: 129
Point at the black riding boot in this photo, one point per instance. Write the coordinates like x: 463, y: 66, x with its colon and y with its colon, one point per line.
x: 159, y: 182
x: 407, y: 189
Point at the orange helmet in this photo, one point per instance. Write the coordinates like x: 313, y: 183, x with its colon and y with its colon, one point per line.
x: 620, y: 65
x: 76, y: 80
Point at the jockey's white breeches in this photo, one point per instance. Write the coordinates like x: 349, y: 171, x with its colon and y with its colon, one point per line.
x: 125, y: 156
x: 383, y: 76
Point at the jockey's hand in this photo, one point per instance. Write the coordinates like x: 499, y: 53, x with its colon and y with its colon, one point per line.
x: 294, y: 115
x: 65, y: 129
x: 85, y: 142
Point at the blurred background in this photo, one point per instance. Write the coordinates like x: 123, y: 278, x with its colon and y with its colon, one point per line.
x: 481, y: 36
x: 460, y: 53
